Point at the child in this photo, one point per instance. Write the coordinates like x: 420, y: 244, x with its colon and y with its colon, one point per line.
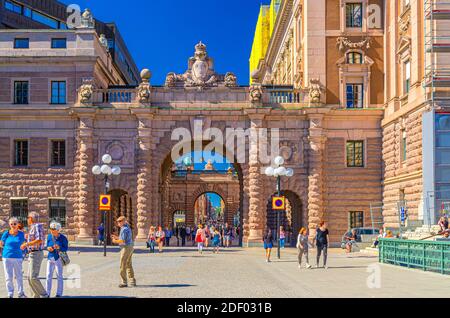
x: 216, y: 241
x: 302, y: 246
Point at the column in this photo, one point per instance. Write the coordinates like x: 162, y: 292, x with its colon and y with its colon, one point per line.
x: 257, y: 208
x: 144, y: 191
x: 86, y: 204
x: 317, y: 142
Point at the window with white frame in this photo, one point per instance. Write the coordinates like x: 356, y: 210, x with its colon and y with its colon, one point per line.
x: 354, y: 14
x: 407, y: 76
x: 355, y: 94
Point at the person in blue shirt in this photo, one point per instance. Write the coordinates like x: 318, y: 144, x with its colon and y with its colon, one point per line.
x: 101, y: 234
x: 12, y: 244
x: 56, y: 243
x: 125, y: 241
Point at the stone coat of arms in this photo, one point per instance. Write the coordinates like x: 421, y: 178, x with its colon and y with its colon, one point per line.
x: 200, y: 73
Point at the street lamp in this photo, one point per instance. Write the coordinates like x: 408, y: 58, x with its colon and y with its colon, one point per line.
x: 279, y: 171
x: 107, y: 171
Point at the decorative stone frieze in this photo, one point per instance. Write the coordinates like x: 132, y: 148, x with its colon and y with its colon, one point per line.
x: 344, y: 43
x: 86, y: 92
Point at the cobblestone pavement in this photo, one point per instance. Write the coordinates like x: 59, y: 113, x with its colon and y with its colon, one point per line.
x: 182, y: 272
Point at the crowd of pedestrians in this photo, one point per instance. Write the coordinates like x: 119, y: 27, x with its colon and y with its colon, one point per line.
x: 19, y: 245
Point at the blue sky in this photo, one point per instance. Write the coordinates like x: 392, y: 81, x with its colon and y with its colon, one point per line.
x: 161, y: 34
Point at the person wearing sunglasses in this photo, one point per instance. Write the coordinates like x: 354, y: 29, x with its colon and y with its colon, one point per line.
x: 12, y: 244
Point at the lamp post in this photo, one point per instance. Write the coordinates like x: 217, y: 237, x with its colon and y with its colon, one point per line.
x: 107, y: 171
x: 279, y: 171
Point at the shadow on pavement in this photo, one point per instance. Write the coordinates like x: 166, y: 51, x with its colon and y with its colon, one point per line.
x: 166, y: 286
x: 141, y: 250
x: 98, y: 297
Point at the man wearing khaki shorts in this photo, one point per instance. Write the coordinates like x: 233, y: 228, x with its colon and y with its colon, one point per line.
x: 125, y: 241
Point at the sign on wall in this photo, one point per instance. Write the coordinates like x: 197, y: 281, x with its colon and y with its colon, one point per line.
x: 278, y: 203
x: 105, y: 203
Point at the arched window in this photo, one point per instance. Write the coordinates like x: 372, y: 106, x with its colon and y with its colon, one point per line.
x: 354, y: 58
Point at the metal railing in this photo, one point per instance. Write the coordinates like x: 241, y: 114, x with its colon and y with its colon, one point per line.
x: 425, y: 255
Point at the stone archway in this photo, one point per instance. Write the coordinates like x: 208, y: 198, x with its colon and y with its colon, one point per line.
x: 291, y: 219
x: 121, y: 205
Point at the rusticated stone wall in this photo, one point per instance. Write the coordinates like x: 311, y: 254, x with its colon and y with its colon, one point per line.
x: 39, y: 182
x: 402, y: 176
x: 350, y: 189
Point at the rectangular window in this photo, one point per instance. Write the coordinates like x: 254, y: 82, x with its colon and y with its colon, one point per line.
x: 21, y: 92
x: 57, y: 211
x: 404, y: 145
x: 407, y: 66
x: 27, y: 12
x: 19, y: 209
x: 21, y: 43
x: 354, y: 16
x: 21, y: 153
x: 355, y: 219
x: 14, y: 7
x: 59, y: 43
x: 58, y: 153
x: 355, y: 154
x: 354, y: 95
x: 41, y: 18
x: 58, y: 92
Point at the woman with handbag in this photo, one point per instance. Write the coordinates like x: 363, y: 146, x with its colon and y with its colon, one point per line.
x: 57, y: 246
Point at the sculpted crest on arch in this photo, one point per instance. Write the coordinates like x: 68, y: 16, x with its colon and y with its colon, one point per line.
x: 200, y: 73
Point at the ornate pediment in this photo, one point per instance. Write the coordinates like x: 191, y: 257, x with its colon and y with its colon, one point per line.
x: 200, y: 73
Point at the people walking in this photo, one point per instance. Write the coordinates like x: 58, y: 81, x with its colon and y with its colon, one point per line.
x: 151, y: 239
x: 282, y: 237
x: 160, y: 236
x: 12, y: 242
x: 207, y: 235
x: 302, y: 246
x: 200, y: 238
x: 216, y: 240
x: 35, y: 244
x: 188, y: 233
x: 183, y: 235
x: 125, y: 240
x: 322, y: 239
x: 227, y: 233
x: 268, y: 244
x: 56, y: 243
x: 101, y: 234
x: 168, y: 235
x: 193, y: 232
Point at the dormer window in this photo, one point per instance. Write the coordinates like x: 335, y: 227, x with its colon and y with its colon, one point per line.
x: 354, y: 58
